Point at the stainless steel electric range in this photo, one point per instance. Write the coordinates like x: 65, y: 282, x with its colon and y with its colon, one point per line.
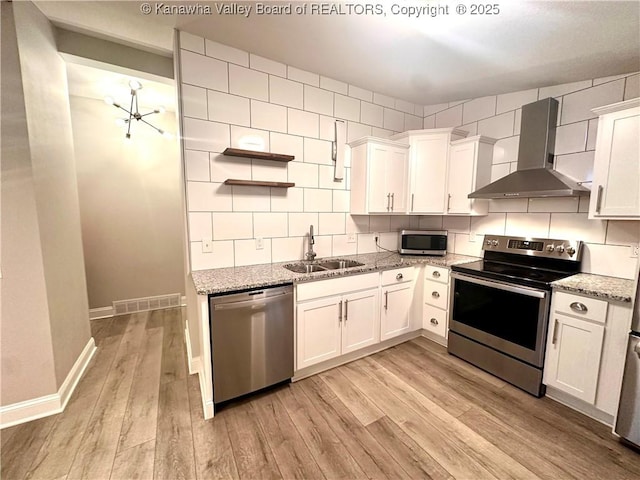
x: 500, y: 305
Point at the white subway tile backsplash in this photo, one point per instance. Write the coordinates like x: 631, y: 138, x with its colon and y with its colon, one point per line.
x: 384, y: 100
x: 301, y: 123
x: 323, y: 246
x: 197, y: 164
x: 262, y: 64
x: 578, y: 166
x: 226, y: 53
x: 334, y: 85
x: 346, y: 107
x: 200, y: 226
x: 220, y: 257
x: 331, y: 223
x: 303, y: 76
x: 250, y: 139
x: 515, y: 100
x: 317, y: 200
x: 366, y: 243
x: 357, y: 130
x: 204, y: 135
x: 341, y: 246
x: 577, y: 106
x: 248, y: 83
x: 509, y: 205
x: 287, y: 144
x: 493, y: 224
x: 326, y: 178
x: 571, y: 138
x: 607, y: 79
x: 500, y: 126
x: 226, y: 108
x: 318, y: 100
x: 327, y: 128
x: 431, y: 222
x: 554, y: 204
x: 458, y: 102
x: 357, y: 223
x: 517, y: 122
x: 223, y: 167
x: 247, y: 254
x: 231, y: 226
x: 456, y: 224
x: 592, y: 133
x: 433, y: 109
x: 287, y: 249
x: 191, y: 42
x: 203, y: 71
x: 478, y: 109
x: 404, y: 106
x: 317, y: 151
x: 268, y: 225
x: 430, y: 122
x: 341, y: 200
x: 361, y: 93
x: 381, y: 132
x: 299, y: 224
x: 464, y: 246
x: 528, y: 224
x: 470, y: 128
x: 399, y: 222
x: 303, y: 174
x: 564, y: 89
x: 393, y: 120
x: 577, y: 226
x: 584, y: 204
x: 609, y: 260
x: 268, y: 170
x: 208, y: 197
x: 412, y: 122
x: 379, y: 223
x: 285, y: 92
x: 632, y: 87
x: 267, y: 116
x: 451, y: 117
x: 623, y: 232
x: 505, y: 150
x: 251, y: 199
x: 389, y: 241
x: 286, y: 199
x: 194, y: 102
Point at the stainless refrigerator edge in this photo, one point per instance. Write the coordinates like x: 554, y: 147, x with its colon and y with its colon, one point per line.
x: 628, y: 418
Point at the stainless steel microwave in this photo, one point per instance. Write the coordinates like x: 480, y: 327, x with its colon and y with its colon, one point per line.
x: 422, y: 242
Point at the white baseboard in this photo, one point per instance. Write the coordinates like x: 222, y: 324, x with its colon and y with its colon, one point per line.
x: 207, y: 405
x: 193, y: 362
x: 40, y: 407
x: 102, y: 312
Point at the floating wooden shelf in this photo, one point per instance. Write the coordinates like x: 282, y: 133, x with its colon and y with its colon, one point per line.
x: 258, y: 183
x: 238, y: 152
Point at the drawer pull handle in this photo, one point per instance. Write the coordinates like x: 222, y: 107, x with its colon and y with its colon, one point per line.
x: 435, y: 295
x: 579, y: 307
x: 434, y: 321
x: 346, y: 309
x: 436, y: 274
x: 554, y: 337
x: 340, y: 312
x: 386, y: 300
x: 399, y: 276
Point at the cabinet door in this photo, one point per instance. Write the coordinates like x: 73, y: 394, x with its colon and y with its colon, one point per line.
x: 318, y: 332
x: 616, y: 176
x: 396, y: 307
x: 397, y: 178
x: 429, y: 174
x: 378, y: 193
x: 461, y: 173
x: 360, y: 320
x: 574, y: 348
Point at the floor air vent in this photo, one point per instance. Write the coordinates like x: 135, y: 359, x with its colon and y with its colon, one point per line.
x: 132, y: 305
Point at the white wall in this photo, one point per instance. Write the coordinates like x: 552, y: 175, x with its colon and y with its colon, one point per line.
x: 130, y: 203
x: 498, y: 116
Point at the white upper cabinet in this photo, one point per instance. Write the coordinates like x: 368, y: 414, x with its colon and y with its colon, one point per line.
x: 379, y: 176
x: 429, y: 154
x: 469, y: 169
x: 615, y: 192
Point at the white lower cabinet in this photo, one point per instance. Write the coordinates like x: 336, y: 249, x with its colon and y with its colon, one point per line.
x: 396, y: 307
x: 360, y: 327
x: 435, y: 312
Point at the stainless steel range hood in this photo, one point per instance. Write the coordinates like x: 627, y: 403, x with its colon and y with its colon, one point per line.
x: 535, y: 176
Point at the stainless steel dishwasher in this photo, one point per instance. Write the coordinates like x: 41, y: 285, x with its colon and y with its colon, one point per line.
x: 251, y: 340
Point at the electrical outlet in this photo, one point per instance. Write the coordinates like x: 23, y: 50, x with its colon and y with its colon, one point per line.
x: 634, y: 250
x: 207, y: 245
x: 351, y: 238
x: 259, y: 243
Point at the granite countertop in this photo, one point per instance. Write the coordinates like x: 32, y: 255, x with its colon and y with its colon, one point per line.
x: 607, y: 288
x: 221, y: 280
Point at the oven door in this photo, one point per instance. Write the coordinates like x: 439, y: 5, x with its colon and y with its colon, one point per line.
x: 509, y: 318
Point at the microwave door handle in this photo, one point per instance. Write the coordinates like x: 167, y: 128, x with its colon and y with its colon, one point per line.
x: 529, y: 292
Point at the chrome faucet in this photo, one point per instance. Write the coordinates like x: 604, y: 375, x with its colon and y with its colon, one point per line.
x: 310, y: 255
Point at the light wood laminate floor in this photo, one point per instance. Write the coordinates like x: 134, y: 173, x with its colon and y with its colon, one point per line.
x: 412, y: 411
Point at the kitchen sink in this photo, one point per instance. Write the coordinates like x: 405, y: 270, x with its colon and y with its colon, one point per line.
x: 322, y: 266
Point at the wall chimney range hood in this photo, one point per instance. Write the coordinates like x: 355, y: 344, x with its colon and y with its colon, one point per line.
x: 535, y: 176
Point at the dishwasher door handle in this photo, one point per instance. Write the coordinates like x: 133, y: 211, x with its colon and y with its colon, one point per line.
x: 256, y: 302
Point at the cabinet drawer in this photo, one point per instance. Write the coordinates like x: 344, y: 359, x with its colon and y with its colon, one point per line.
x: 434, y: 320
x: 336, y: 286
x: 397, y: 275
x: 436, y: 294
x: 579, y: 306
x: 437, y: 274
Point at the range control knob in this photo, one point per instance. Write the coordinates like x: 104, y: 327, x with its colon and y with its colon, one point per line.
x: 571, y: 251
x: 551, y: 248
x: 494, y: 243
x: 488, y: 243
x: 560, y: 249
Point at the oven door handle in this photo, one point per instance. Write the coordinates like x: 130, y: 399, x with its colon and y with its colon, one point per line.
x: 529, y: 292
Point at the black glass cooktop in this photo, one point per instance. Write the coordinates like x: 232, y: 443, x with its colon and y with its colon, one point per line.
x: 521, y: 275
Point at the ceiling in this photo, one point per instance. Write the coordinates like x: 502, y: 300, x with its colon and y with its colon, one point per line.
x: 426, y: 60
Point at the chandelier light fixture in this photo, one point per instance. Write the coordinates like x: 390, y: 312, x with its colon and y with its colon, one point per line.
x: 134, y: 112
